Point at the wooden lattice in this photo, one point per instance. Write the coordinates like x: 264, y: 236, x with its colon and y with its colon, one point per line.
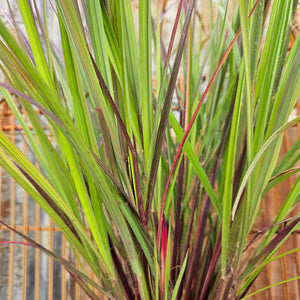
x: 25, y: 272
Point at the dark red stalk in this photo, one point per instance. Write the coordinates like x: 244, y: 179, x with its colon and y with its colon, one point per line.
x: 57, y: 210
x: 186, y: 134
x: 200, y: 234
x: 211, y: 268
x: 163, y: 256
x: 123, y: 277
x: 197, y: 250
x: 127, y: 138
x: 136, y: 290
x: 190, y: 229
x: 225, y: 288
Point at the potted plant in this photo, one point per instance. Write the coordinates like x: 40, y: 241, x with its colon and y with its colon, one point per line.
x: 156, y: 193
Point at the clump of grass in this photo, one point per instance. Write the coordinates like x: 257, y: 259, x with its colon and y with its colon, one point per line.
x: 169, y: 201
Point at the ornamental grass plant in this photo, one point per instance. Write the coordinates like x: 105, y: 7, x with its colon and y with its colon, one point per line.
x: 156, y: 188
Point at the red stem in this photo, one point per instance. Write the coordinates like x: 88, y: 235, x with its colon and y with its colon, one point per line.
x: 186, y: 134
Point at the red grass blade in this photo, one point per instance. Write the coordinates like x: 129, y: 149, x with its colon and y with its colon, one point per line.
x: 163, y: 255
x: 186, y: 134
